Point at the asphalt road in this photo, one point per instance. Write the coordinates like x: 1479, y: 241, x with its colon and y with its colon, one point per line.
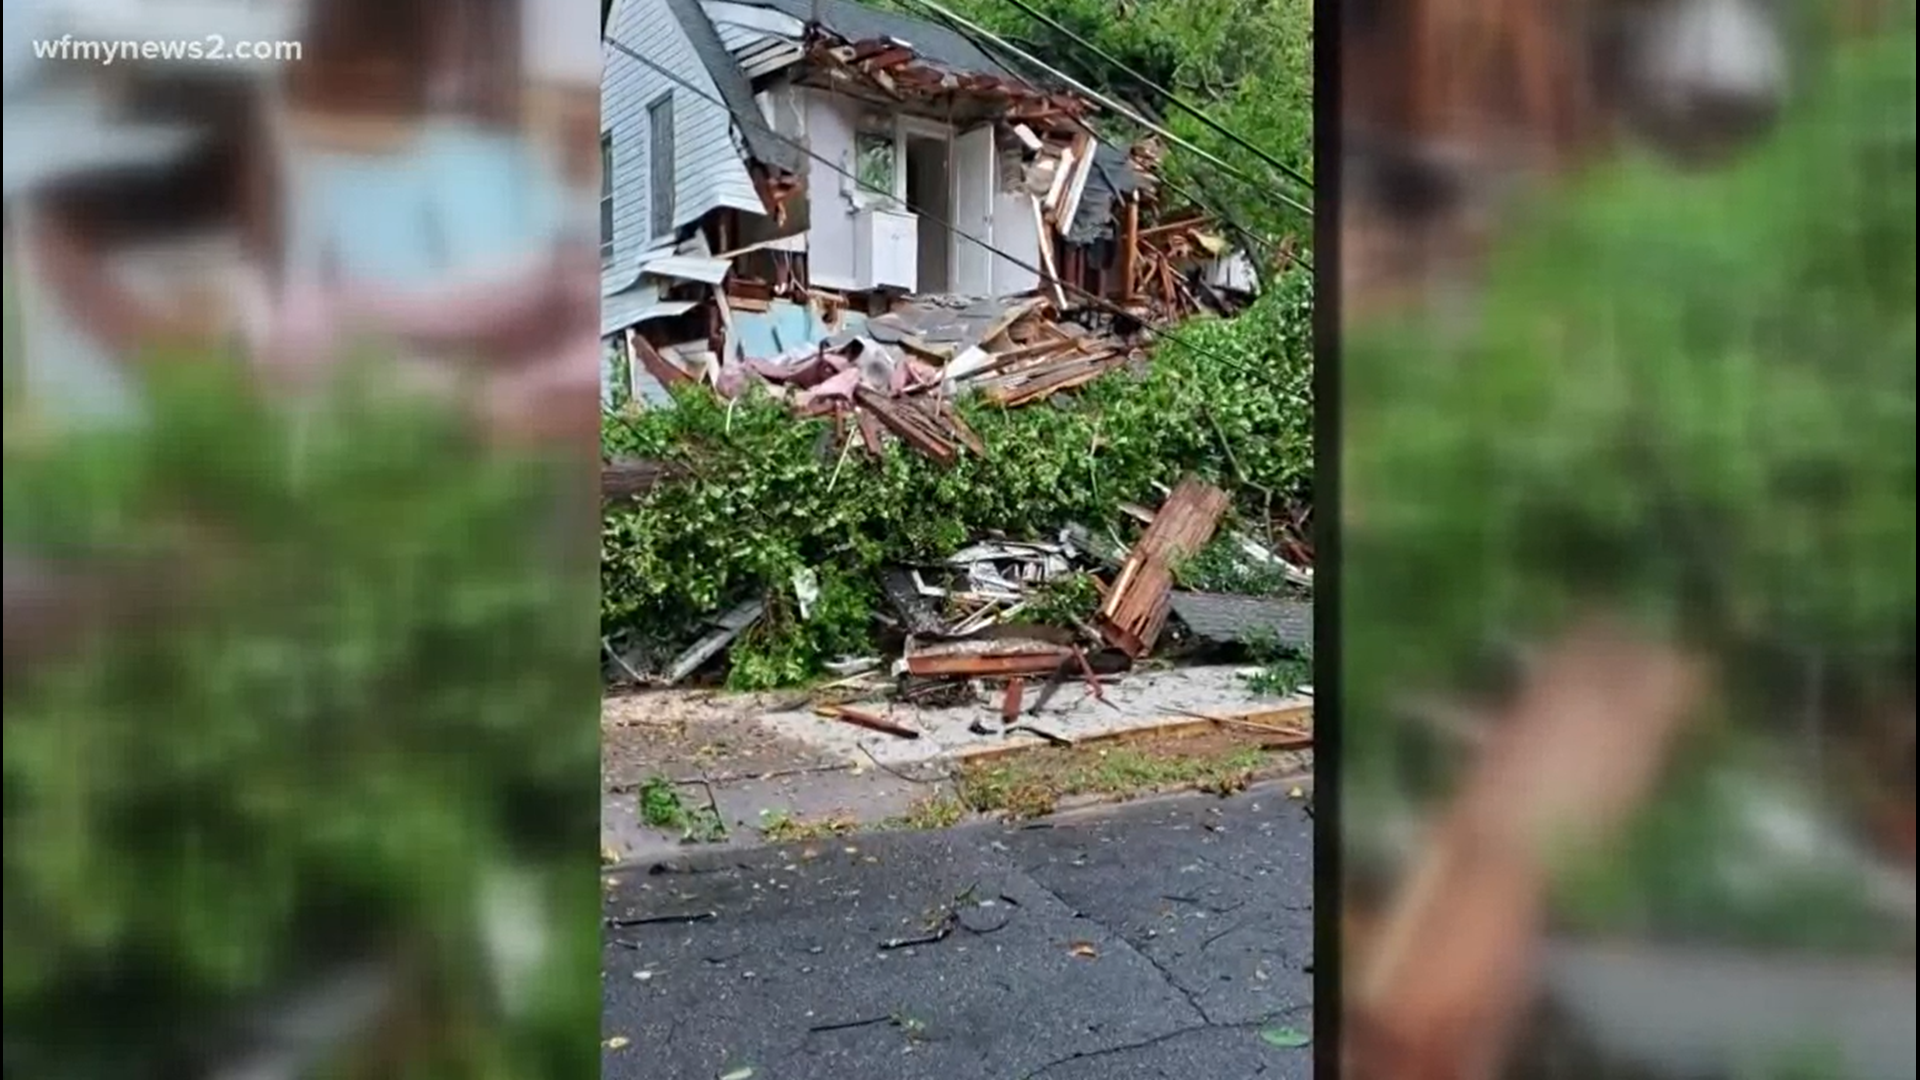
x: 1170, y: 939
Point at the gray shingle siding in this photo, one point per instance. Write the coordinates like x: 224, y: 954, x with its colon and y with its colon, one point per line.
x: 734, y: 88
x: 938, y: 44
x: 709, y: 172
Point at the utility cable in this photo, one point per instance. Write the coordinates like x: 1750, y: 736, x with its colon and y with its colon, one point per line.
x: 1192, y: 110
x: 1098, y: 301
x: 1131, y: 114
x: 1254, y: 239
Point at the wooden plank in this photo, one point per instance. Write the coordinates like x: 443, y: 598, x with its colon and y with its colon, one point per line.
x: 869, y: 720
x: 987, y: 665
x: 1136, y: 608
x: 1062, y: 176
x: 901, y: 418
x: 1045, y: 233
x: 1176, y: 726
x: 1129, y: 247
x: 630, y: 478
x: 667, y: 374
x: 1179, y: 226
x: 1069, y: 206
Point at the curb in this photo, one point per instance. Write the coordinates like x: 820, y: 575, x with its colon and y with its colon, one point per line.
x: 703, y: 861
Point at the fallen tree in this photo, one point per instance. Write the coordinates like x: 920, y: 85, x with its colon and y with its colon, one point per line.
x: 764, y: 500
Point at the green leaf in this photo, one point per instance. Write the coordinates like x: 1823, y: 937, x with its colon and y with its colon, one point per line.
x: 1286, y: 1038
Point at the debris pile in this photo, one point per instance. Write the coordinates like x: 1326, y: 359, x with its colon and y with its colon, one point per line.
x: 903, y: 75
x: 973, y: 627
x: 730, y: 308
x: 897, y: 374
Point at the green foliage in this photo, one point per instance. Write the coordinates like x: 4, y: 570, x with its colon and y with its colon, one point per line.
x: 768, y: 503
x: 1283, y: 670
x: 1067, y: 601
x: 1746, y: 893
x: 662, y: 808
x: 1687, y: 397
x: 372, y: 683
x: 1222, y: 567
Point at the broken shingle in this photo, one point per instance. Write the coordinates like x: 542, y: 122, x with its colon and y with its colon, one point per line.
x: 1223, y: 617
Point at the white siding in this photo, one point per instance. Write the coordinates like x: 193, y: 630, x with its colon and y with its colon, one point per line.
x: 830, y: 127
x: 710, y: 172
x: 831, y: 121
x: 1017, y: 233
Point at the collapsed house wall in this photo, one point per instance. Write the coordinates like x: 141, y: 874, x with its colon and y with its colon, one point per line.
x: 833, y: 124
x: 930, y: 177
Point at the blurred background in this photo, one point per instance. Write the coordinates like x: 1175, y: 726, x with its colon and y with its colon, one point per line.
x: 1627, y: 548
x: 301, y: 400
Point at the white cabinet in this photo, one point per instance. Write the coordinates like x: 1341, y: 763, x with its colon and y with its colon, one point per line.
x: 886, y: 248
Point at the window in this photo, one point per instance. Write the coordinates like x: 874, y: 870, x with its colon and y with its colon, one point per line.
x: 606, y: 200
x: 660, y: 165
x: 876, y: 163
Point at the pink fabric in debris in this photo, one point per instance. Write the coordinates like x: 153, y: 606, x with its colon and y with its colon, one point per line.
x: 840, y: 385
x: 924, y: 374
x: 809, y: 371
x: 731, y: 379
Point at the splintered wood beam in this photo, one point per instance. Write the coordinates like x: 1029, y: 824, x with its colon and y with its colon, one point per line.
x: 988, y: 665
x: 667, y: 374
x: 1045, y: 232
x: 1136, y: 607
x: 629, y: 478
x: 1129, y: 247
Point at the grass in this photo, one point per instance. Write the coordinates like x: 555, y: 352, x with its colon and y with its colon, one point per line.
x: 662, y: 808
x: 933, y: 812
x: 1283, y: 670
x: 1033, y: 783
x: 938, y: 811
x: 1015, y: 786
x: 780, y: 826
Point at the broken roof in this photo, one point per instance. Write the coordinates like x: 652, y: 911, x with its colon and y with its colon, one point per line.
x: 762, y: 144
x: 1114, y: 176
x: 932, y: 42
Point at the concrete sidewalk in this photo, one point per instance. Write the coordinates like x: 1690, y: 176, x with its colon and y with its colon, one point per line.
x: 1170, y: 938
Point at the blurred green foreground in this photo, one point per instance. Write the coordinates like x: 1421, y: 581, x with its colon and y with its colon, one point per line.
x: 332, y: 710
x: 1686, y: 398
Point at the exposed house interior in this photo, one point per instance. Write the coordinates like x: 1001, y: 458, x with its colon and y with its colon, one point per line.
x: 930, y: 197
x: 833, y: 168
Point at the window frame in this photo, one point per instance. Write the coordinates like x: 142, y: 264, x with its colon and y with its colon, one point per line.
x: 662, y: 193
x: 606, y: 199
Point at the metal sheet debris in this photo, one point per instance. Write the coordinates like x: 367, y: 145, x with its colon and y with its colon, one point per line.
x: 729, y: 626
x: 701, y: 268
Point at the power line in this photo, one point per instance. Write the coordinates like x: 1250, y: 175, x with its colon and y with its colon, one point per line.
x: 1123, y: 110
x: 1164, y: 92
x: 1256, y: 240
x: 1099, y: 301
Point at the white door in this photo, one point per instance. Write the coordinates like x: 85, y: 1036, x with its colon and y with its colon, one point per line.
x: 973, y: 185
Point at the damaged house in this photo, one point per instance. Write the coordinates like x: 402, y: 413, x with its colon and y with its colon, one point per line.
x: 875, y: 192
